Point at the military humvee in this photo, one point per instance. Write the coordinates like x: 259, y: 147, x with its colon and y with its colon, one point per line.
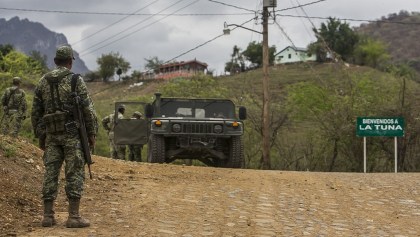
x: 203, y: 129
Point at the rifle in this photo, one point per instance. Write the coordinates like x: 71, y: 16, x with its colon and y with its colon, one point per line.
x: 82, y: 127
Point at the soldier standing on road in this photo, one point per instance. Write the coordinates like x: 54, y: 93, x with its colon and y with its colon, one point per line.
x: 117, y: 152
x: 14, y: 108
x: 135, y: 150
x: 51, y: 113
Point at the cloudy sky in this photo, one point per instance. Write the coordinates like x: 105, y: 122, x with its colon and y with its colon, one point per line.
x: 187, y: 29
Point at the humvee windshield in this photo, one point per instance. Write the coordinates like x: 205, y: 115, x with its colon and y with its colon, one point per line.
x: 197, y: 108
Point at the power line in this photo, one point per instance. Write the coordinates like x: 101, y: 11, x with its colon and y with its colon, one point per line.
x: 324, y: 43
x: 119, y: 13
x: 285, y: 34
x: 116, y: 22
x: 208, y: 41
x: 229, y: 5
x: 128, y: 28
x: 182, y: 54
x: 303, y: 5
x: 129, y: 34
x: 302, y: 20
x: 351, y: 19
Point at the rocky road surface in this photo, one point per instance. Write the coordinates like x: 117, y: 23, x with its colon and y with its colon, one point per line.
x: 141, y: 199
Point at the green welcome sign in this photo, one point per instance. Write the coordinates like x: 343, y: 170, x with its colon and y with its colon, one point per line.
x: 380, y: 127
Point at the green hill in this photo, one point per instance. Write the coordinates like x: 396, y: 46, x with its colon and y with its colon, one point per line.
x: 313, y: 113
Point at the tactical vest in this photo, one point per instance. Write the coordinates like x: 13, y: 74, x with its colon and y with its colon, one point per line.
x: 59, y: 118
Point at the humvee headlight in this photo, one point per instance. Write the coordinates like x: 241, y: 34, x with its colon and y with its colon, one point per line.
x: 235, y: 124
x: 176, y: 127
x: 218, y: 128
x: 158, y: 123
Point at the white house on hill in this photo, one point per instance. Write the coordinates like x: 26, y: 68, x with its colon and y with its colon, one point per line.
x: 292, y: 54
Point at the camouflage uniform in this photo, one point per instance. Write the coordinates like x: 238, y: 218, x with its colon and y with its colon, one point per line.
x: 14, y: 108
x: 135, y: 150
x: 54, y: 124
x: 62, y: 145
x: 116, y: 152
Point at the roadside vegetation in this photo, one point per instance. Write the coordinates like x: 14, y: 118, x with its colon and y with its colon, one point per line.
x: 314, y: 106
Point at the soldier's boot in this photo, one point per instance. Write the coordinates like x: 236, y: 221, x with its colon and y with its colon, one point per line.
x: 48, y: 219
x: 75, y: 220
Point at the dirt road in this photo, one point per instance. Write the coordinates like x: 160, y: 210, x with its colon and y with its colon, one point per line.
x: 140, y: 199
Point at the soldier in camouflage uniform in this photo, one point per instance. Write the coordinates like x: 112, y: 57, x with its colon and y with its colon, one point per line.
x: 116, y: 151
x: 14, y: 108
x: 51, y: 116
x: 135, y: 150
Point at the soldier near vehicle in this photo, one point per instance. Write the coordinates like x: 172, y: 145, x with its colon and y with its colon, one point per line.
x: 14, y: 108
x: 116, y: 151
x: 55, y: 124
x: 134, y: 149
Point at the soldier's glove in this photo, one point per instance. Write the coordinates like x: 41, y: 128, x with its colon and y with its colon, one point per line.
x: 42, y: 142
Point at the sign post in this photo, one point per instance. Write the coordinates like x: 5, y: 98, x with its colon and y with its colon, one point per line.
x: 380, y: 127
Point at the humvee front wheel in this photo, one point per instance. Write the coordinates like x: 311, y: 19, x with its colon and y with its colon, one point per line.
x: 236, y: 154
x: 156, y: 146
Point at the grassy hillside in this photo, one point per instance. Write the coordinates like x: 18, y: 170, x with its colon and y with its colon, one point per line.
x: 313, y: 113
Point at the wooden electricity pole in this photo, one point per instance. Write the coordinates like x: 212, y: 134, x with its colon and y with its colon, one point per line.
x: 266, y: 95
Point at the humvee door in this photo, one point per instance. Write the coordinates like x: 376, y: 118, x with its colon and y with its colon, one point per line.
x: 129, y: 130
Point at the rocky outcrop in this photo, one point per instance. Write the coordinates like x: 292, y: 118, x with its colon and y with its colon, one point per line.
x: 27, y: 36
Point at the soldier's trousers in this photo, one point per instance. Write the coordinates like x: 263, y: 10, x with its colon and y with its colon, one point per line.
x: 11, y: 123
x: 120, y: 152
x: 134, y: 152
x: 116, y: 151
x: 71, y: 154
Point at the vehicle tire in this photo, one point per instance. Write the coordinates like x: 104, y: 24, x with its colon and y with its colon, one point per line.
x: 236, y: 154
x: 156, y: 149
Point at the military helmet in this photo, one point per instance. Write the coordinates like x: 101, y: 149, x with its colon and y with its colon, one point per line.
x: 64, y: 52
x: 137, y: 114
x: 16, y: 80
x: 121, y: 106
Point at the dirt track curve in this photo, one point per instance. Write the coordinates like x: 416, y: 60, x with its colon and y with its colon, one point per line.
x: 141, y: 199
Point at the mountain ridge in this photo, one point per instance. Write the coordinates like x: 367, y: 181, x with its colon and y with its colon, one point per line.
x: 400, y: 32
x: 27, y: 36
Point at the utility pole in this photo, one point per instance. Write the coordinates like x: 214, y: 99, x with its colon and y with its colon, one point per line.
x: 265, y: 124
x: 266, y: 95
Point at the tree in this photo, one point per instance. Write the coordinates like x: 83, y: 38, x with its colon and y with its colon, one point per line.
x: 319, y: 50
x: 253, y: 53
x: 331, y: 107
x: 109, y: 63
x: 153, y: 63
x: 370, y: 52
x: 136, y: 75
x: 236, y: 63
x: 92, y: 76
x: 37, y: 58
x: 5, y: 49
x: 337, y: 36
x: 16, y: 63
